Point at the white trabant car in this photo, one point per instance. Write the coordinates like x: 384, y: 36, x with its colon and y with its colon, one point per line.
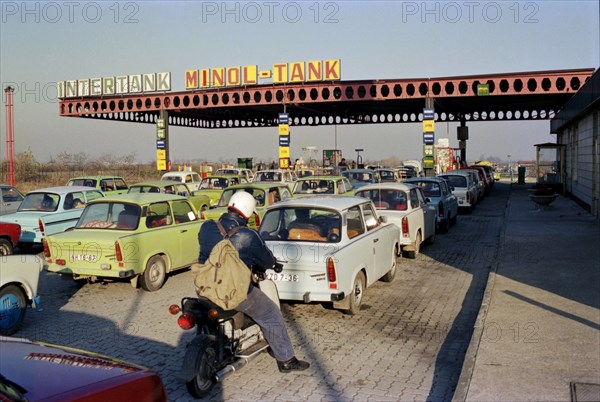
x: 244, y: 172
x: 331, y: 247
x: 463, y: 187
x: 406, y: 206
x: 192, y: 179
x: 19, y: 276
x: 276, y: 176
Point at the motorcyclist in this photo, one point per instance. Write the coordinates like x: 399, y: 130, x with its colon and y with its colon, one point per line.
x: 253, y: 252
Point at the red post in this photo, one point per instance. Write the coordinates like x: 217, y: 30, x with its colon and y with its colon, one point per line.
x: 10, y: 136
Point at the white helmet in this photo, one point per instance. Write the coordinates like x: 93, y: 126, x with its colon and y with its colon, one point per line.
x: 243, y: 203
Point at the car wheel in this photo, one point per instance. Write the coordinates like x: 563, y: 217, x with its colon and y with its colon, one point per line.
x: 12, y: 309
x: 203, y: 381
x: 389, y: 276
x: 6, y: 247
x: 414, y: 253
x: 444, y: 226
x: 356, y: 294
x: 154, y: 275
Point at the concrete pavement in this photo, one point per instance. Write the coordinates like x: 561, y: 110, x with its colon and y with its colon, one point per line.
x: 537, y: 336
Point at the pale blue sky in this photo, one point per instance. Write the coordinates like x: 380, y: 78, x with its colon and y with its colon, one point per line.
x: 45, y: 42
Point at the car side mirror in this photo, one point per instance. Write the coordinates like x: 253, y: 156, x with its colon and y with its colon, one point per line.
x: 383, y: 219
x: 427, y: 200
x: 371, y: 223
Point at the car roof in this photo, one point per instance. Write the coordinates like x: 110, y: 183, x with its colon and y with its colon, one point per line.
x: 139, y: 198
x: 258, y: 184
x: 419, y: 179
x: 156, y: 183
x: 456, y: 172
x: 321, y: 177
x: 387, y: 186
x: 62, y: 189
x: 95, y: 177
x: 321, y: 201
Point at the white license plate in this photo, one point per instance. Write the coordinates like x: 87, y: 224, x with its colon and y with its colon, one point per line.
x: 84, y: 257
x: 282, y: 277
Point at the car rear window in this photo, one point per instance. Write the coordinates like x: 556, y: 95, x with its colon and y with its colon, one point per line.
x: 386, y: 199
x: 301, y: 224
x: 456, y: 181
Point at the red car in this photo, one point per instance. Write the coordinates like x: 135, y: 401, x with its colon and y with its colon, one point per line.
x: 482, y: 176
x: 9, y: 237
x: 36, y: 371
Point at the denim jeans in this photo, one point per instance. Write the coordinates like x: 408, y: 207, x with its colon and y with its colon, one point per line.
x: 261, y: 309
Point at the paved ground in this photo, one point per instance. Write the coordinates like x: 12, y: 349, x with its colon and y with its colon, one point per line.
x: 538, y: 333
x: 408, y: 342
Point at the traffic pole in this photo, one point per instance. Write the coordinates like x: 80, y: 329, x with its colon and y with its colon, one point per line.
x: 10, y: 136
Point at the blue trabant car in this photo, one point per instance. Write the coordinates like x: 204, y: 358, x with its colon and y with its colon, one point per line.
x: 437, y: 193
x: 50, y: 210
x: 332, y: 248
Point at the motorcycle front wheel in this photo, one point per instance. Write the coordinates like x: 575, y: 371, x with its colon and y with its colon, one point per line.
x: 203, y: 381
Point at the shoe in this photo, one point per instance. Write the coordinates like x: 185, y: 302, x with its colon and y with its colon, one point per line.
x: 292, y: 365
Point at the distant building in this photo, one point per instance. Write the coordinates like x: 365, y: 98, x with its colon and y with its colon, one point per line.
x: 577, y: 128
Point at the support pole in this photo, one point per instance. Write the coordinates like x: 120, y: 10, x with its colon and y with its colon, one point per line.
x: 10, y: 137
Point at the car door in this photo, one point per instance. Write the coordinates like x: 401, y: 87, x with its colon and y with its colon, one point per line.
x: 429, y: 217
x: 186, y: 233
x: 380, y: 261
x: 11, y: 199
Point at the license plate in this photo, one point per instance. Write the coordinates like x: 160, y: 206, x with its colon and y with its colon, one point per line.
x: 84, y: 257
x: 282, y: 277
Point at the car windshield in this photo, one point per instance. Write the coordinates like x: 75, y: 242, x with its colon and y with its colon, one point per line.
x: 172, y: 178
x: 257, y: 193
x: 268, y: 176
x: 315, y: 186
x: 359, y: 177
x: 301, y: 224
x: 83, y: 182
x: 214, y: 182
x: 387, y: 199
x: 387, y: 175
x: 47, y: 202
x: 110, y: 215
x: 145, y: 189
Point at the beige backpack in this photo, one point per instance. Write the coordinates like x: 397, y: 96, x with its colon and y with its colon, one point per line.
x: 224, y: 278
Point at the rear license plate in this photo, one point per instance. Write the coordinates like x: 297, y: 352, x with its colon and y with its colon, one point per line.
x: 84, y: 257
x: 282, y: 277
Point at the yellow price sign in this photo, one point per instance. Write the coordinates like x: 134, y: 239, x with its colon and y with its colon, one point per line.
x: 161, y: 154
x: 284, y: 163
x: 284, y: 152
x: 284, y: 129
x: 161, y: 164
x: 428, y: 126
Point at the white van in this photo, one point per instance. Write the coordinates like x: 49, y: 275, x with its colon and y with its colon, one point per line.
x: 192, y: 179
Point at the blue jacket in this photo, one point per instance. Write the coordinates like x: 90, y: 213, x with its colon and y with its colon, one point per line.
x: 252, y: 249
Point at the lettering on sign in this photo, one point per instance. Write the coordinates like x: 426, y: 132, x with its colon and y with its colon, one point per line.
x: 281, y: 73
x: 117, y: 85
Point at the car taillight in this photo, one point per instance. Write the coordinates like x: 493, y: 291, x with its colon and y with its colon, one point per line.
x: 46, y: 249
x: 405, y: 226
x: 118, y: 254
x: 186, y: 321
x: 174, y: 309
x: 257, y: 220
x: 41, y: 226
x: 331, y: 277
x: 202, y: 215
x: 441, y: 209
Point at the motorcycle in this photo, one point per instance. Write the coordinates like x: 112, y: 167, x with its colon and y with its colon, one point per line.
x: 225, y: 341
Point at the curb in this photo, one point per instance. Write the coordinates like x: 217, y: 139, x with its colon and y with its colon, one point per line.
x: 464, y: 381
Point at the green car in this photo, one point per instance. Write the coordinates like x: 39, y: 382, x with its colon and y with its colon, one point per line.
x: 266, y: 194
x: 213, y: 186
x: 318, y: 185
x: 200, y: 202
x: 131, y: 236
x: 109, y: 185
